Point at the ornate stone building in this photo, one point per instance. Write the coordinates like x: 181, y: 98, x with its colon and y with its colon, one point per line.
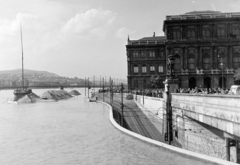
x: 206, y: 46
x: 146, y: 57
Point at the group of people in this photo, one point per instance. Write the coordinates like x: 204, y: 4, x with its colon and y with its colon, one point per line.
x: 204, y: 90
x: 159, y: 92
x: 150, y: 92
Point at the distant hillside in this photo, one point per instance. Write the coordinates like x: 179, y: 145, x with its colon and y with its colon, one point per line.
x: 27, y: 72
x: 13, y: 78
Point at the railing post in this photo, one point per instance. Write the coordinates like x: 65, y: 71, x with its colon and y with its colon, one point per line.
x: 122, y: 103
x: 143, y: 95
x: 227, y: 149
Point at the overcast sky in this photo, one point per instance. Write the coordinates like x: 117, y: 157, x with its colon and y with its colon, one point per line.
x: 85, y: 37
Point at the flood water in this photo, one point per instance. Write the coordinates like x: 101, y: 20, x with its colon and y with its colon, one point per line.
x: 71, y: 132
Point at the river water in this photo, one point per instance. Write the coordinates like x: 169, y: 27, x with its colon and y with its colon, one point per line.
x: 71, y: 132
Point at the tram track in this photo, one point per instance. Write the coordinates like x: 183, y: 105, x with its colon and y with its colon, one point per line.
x: 134, y: 117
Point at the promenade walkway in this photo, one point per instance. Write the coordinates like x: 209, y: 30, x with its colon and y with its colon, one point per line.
x: 134, y: 117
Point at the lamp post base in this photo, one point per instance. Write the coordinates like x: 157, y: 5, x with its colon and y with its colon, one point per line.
x: 172, y: 83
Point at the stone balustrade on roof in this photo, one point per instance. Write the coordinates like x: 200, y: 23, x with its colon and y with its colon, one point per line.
x: 203, y: 15
x: 148, y: 41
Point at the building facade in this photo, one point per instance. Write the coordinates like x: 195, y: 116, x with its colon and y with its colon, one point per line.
x: 206, y: 46
x: 146, y: 57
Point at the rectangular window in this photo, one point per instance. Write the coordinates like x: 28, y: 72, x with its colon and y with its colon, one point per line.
x: 135, y: 69
x: 176, y: 35
x: 220, y: 32
x: 135, y: 54
x: 161, y: 53
x: 152, y: 68
x: 160, y: 69
x: 152, y: 53
x: 206, y: 34
x: 191, y: 34
x: 144, y: 69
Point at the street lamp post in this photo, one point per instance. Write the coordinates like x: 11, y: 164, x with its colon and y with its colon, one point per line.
x: 169, y: 80
x: 222, y: 68
x: 222, y: 76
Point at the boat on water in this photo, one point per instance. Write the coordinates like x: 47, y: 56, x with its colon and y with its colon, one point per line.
x: 21, y: 92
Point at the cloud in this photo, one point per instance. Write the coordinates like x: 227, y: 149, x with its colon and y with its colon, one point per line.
x: 123, y: 32
x: 96, y: 22
x: 11, y: 27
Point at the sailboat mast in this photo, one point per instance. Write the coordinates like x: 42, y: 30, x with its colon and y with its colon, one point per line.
x: 22, y: 57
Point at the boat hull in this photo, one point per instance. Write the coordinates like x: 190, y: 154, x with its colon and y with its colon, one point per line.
x: 19, y: 93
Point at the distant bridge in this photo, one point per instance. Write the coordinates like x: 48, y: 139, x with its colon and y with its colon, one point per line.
x: 58, y: 86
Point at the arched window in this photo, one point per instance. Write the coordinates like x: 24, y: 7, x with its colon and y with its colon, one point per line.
x: 144, y: 69
x: 177, y: 63
x: 191, y: 34
x: 236, y: 31
x: 192, y: 83
x: 135, y: 69
x: 236, y: 60
x: 206, y: 61
x: 206, y: 33
x: 191, y: 62
x: 207, y: 82
x: 176, y: 35
x: 136, y: 84
x: 221, y: 61
x: 221, y: 32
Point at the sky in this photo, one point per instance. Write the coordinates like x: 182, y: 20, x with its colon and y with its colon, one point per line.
x: 83, y: 38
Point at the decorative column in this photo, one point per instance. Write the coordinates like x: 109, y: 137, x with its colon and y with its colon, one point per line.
x: 200, y: 57
x: 186, y: 58
x: 183, y: 58
x: 213, y: 31
x: 230, y: 61
x: 213, y: 57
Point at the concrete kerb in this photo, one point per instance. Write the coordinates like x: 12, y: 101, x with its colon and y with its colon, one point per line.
x: 160, y: 144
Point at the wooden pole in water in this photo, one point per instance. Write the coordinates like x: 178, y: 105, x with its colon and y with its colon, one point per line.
x: 22, y: 57
x: 88, y: 88
x: 85, y: 85
x: 94, y: 84
x: 103, y: 89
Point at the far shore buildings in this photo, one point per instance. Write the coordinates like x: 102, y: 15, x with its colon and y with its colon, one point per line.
x: 206, y: 46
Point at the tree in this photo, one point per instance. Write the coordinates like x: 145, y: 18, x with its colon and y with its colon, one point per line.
x: 156, y: 81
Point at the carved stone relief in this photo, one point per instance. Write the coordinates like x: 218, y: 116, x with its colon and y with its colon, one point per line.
x: 236, y: 49
x: 206, y: 50
x: 222, y: 50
